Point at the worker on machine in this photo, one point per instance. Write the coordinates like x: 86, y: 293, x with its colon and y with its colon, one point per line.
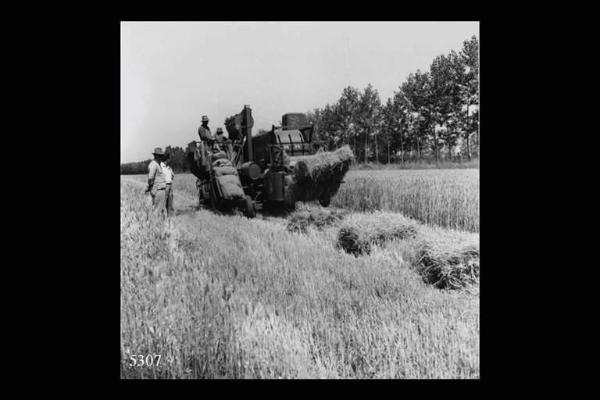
x: 219, y: 138
x: 220, y: 143
x: 204, y: 130
x: 219, y: 146
x: 206, y: 139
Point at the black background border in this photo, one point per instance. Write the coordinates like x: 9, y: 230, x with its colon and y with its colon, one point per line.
x: 87, y: 80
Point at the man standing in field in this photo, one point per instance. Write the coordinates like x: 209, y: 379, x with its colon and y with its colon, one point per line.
x: 169, y: 175
x: 156, y: 182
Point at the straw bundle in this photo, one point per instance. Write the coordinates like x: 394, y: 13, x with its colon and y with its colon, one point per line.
x: 196, y: 162
x: 319, y: 218
x: 319, y: 175
x: 448, y: 259
x: 225, y: 170
x: 360, y: 232
x: 323, y: 166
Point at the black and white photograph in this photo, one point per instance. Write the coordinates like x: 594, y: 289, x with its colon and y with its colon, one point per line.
x: 299, y: 200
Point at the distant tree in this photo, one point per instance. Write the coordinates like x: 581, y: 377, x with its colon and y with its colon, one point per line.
x: 416, y: 91
x: 177, y: 156
x: 430, y: 111
x: 139, y: 167
x: 321, y: 135
x: 228, y: 120
x: 389, y: 124
x: 333, y: 124
x: 344, y: 117
x: 469, y: 93
x: 368, y: 117
x: 314, y: 118
x: 445, y: 91
x: 402, y: 124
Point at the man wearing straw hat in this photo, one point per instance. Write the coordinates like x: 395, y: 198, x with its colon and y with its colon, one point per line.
x: 207, y: 140
x: 204, y: 130
x: 156, y: 182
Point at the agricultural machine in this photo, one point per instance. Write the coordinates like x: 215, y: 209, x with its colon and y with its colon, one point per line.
x: 253, y: 172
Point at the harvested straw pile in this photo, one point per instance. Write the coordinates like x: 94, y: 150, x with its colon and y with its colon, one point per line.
x: 196, y: 162
x: 448, y: 259
x: 319, y: 218
x: 231, y: 187
x: 320, y: 175
x: 323, y: 166
x: 360, y: 232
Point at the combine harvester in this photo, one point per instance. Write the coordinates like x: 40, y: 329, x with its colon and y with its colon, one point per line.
x: 269, y: 171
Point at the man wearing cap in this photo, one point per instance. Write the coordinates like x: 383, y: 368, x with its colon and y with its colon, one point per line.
x: 156, y: 182
x: 219, y: 140
x: 204, y: 130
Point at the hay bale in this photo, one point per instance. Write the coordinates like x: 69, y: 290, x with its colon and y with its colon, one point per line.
x: 319, y: 218
x: 360, y: 232
x: 196, y: 161
x: 445, y: 258
x: 319, y: 175
x: 324, y: 166
x: 225, y: 170
x: 448, y: 259
x: 231, y: 187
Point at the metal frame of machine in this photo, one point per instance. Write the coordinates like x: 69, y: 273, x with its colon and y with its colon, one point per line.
x: 262, y: 161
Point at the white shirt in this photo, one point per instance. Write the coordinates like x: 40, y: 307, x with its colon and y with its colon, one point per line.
x: 155, y: 172
x: 167, y: 172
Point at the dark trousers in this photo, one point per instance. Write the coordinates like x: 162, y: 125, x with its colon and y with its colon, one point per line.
x: 169, y: 199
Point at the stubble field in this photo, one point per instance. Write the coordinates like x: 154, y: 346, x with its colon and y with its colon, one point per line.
x: 222, y: 296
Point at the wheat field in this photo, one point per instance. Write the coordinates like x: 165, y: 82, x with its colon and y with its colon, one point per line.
x: 447, y: 198
x: 222, y: 296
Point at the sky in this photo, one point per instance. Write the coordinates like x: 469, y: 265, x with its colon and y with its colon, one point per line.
x: 172, y: 73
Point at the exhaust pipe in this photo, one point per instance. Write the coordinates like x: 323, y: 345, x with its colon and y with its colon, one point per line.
x: 247, y: 124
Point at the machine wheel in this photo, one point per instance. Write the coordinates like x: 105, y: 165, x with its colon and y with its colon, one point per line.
x: 250, y: 209
x: 325, y: 200
x: 213, y: 197
x: 289, y: 206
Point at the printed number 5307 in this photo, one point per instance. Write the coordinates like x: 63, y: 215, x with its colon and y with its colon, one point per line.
x: 150, y: 360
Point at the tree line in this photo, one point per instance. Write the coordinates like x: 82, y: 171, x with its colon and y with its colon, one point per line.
x: 433, y: 116
x: 176, y: 157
